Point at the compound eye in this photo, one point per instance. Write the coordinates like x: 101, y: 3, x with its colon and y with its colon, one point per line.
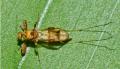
x: 21, y: 36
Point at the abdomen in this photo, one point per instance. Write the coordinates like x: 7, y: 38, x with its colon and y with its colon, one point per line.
x: 53, y: 35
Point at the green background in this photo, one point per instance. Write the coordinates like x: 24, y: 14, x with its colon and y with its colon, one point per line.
x: 66, y: 14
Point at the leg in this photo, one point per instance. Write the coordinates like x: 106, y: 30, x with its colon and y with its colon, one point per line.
x: 37, y: 54
x: 36, y: 51
x: 24, y: 25
x: 23, y: 49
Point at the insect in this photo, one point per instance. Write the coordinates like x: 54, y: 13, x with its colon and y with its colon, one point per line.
x: 49, y: 37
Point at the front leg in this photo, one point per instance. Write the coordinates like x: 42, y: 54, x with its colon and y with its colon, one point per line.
x: 23, y: 49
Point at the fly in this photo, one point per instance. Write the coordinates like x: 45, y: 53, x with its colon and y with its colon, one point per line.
x: 50, y: 37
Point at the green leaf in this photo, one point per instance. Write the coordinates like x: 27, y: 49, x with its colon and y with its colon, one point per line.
x: 65, y: 14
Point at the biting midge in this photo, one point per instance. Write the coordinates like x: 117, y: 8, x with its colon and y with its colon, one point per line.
x: 49, y: 37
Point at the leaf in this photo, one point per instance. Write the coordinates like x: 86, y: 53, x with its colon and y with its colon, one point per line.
x: 66, y: 14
